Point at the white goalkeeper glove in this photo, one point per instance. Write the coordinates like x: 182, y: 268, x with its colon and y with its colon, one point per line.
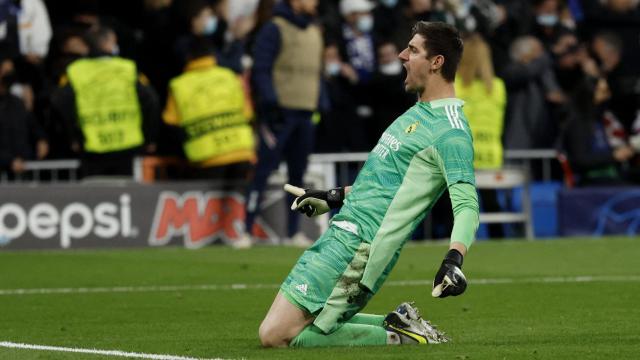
x: 315, y: 202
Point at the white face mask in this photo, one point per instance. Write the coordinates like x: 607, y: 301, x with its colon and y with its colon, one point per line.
x: 211, y: 25
x: 332, y: 68
x: 116, y: 50
x: 365, y: 23
x: 392, y: 68
x: 389, y: 3
x: 548, y: 20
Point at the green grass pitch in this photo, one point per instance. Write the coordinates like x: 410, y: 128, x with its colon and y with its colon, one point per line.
x: 548, y: 299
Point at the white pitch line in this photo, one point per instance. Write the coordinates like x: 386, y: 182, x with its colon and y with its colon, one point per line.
x: 216, y: 287
x: 136, y: 289
x: 7, y: 344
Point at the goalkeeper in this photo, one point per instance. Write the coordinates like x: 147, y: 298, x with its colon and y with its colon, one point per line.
x: 423, y: 152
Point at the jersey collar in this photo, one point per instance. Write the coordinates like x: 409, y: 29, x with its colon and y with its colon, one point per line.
x: 444, y: 102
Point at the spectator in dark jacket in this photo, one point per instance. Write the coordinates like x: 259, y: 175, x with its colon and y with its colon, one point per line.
x: 593, y: 157
x: 340, y: 129
x: 532, y: 88
x: 357, y: 46
x: 625, y: 94
x: 18, y: 129
x: 286, y: 80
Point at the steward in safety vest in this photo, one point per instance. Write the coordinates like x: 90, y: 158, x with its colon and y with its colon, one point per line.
x: 207, y: 102
x: 485, y: 98
x: 110, y: 110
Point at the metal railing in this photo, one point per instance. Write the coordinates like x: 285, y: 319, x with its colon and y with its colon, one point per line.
x: 336, y: 167
x: 331, y: 170
x: 45, y: 170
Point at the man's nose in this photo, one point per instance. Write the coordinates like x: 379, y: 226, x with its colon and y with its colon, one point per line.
x: 403, y: 55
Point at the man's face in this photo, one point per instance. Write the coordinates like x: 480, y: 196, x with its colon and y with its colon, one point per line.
x: 566, y: 49
x: 308, y: 7
x: 6, y: 69
x: 414, y: 58
x: 199, y: 22
x: 387, y: 53
x: 620, y: 5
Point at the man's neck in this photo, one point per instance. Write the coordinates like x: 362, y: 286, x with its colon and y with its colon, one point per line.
x: 438, y: 89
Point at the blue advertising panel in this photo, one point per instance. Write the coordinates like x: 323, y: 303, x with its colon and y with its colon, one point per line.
x: 599, y: 211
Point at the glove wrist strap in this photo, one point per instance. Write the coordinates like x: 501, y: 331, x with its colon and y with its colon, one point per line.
x: 335, y: 197
x: 454, y: 257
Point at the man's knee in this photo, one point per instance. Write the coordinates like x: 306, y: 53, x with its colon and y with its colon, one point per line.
x: 272, y: 335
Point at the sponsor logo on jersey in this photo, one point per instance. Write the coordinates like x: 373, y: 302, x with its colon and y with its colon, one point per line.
x: 386, y: 144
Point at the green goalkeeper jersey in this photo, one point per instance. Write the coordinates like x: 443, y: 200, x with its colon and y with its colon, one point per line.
x: 423, y: 152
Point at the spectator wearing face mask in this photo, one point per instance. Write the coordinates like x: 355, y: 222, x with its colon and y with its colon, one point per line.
x: 340, y: 130
x: 356, y: 37
x: 111, y: 113
x: 356, y: 42
x: 388, y: 96
x: 207, y: 20
x: 18, y: 129
x: 547, y: 25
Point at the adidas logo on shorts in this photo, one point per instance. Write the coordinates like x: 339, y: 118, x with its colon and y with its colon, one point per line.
x: 302, y: 288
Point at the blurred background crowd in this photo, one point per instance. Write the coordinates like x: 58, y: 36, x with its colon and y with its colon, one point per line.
x: 104, y: 81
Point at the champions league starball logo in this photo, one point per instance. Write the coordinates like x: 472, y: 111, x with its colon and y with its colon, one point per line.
x: 622, y: 212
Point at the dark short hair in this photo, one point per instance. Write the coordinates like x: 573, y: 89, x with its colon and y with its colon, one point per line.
x: 198, y: 48
x: 441, y: 39
x: 611, y: 38
x: 96, y: 37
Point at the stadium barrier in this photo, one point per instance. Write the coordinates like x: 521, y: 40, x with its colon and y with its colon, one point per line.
x: 45, y: 170
x: 506, y: 179
x: 110, y: 213
x: 325, y: 171
x: 113, y: 212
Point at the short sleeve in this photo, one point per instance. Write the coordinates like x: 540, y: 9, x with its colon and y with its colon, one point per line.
x: 455, y: 149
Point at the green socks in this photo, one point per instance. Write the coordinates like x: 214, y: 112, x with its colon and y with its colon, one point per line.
x: 367, y: 319
x: 360, y: 330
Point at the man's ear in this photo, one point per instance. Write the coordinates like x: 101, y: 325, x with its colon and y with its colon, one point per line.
x: 437, y: 62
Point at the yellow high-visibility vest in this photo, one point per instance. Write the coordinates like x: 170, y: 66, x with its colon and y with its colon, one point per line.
x: 211, y: 106
x: 107, y: 103
x: 486, y: 118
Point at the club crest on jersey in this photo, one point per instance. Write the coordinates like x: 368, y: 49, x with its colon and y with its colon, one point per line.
x: 411, y: 128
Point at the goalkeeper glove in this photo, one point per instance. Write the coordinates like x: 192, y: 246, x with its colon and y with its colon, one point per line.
x: 315, y: 202
x: 449, y: 280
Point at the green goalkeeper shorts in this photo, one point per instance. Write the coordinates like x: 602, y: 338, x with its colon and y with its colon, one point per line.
x: 325, y: 280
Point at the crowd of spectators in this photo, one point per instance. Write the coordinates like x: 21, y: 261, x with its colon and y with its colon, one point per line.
x: 569, y: 68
